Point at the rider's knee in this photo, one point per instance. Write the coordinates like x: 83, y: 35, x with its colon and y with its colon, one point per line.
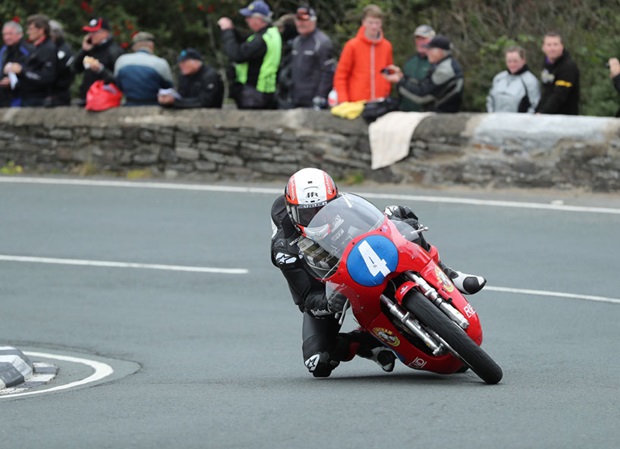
x: 321, y: 364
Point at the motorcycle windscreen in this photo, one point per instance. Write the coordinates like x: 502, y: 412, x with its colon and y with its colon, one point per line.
x: 334, y: 226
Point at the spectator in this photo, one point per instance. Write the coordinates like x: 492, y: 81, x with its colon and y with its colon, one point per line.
x: 442, y: 88
x: 101, y: 52
x: 38, y: 72
x: 515, y: 89
x: 358, y: 74
x: 140, y: 75
x: 614, y: 74
x: 256, y: 59
x: 15, y: 49
x: 417, y: 66
x: 200, y: 86
x: 313, y: 62
x: 61, y: 89
x: 560, y: 79
x: 288, y: 33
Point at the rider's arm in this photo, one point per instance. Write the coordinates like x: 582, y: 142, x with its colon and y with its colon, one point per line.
x: 308, y: 292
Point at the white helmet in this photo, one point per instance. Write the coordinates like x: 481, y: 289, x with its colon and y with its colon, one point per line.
x: 306, y: 193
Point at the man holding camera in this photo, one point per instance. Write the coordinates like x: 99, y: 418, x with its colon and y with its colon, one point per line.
x: 441, y: 90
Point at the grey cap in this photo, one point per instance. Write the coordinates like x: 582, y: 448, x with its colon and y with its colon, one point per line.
x: 142, y: 36
x: 424, y: 31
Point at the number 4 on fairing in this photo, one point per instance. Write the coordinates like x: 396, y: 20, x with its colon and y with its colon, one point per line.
x: 374, y: 263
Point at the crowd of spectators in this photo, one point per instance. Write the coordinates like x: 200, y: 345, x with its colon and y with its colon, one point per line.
x: 283, y: 64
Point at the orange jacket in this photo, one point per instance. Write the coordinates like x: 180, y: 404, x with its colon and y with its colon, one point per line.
x: 358, y: 75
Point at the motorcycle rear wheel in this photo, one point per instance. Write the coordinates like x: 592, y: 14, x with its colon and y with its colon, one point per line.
x: 465, y: 348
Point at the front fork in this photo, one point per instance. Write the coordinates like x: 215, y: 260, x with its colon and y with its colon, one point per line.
x: 400, y: 313
x: 412, y: 324
x: 431, y: 293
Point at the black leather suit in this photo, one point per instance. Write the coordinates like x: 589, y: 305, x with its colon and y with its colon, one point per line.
x: 321, y: 330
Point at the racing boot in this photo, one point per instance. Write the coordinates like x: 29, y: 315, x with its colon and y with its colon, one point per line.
x: 368, y: 347
x: 468, y: 284
x: 321, y: 364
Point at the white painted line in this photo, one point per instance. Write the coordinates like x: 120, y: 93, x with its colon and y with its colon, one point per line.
x: 102, y: 370
x: 244, y: 271
x: 107, y: 264
x: 554, y: 294
x: 554, y: 205
x: 493, y: 203
x: 139, y: 185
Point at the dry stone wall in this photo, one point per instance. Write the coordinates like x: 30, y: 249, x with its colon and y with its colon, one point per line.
x: 483, y: 150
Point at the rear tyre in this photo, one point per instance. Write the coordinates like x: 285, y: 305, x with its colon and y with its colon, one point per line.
x: 466, y: 349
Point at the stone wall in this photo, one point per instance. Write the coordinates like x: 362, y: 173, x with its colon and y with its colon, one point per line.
x: 483, y: 150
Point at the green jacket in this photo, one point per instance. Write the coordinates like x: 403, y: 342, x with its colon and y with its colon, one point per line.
x: 416, y: 67
x: 257, y: 59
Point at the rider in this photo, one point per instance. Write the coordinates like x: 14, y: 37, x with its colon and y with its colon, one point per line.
x: 324, y: 347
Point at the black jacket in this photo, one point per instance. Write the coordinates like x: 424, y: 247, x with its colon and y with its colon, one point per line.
x: 616, y: 81
x: 107, y: 53
x: 239, y: 50
x: 307, y: 291
x: 560, y: 87
x: 203, y: 89
x: 39, y: 71
x: 64, y: 74
x: 14, y: 53
x: 441, y: 90
x: 313, y: 67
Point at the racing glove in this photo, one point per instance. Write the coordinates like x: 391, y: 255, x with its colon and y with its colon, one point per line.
x: 406, y: 215
x: 399, y: 213
x: 336, y: 302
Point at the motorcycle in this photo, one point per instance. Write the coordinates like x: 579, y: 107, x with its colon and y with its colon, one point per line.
x: 395, y: 289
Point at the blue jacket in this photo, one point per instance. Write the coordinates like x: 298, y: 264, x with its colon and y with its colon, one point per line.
x: 15, y: 53
x: 140, y: 75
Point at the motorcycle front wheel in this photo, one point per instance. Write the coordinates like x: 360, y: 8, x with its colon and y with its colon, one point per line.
x: 460, y: 344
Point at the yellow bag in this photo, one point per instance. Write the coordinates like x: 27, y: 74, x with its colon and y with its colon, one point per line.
x: 349, y: 109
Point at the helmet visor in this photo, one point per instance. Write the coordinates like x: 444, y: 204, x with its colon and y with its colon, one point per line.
x: 306, y: 212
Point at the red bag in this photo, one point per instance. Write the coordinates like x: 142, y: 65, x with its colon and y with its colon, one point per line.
x: 101, y: 96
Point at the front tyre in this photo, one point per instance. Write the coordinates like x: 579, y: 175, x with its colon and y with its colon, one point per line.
x: 463, y: 346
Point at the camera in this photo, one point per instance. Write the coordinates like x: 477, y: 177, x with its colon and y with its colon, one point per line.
x: 607, y: 64
x: 386, y: 71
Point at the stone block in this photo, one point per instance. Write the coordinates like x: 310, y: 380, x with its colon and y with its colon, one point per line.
x: 187, y: 154
x: 97, y: 133
x: 205, y: 166
x: 145, y: 158
x: 61, y: 134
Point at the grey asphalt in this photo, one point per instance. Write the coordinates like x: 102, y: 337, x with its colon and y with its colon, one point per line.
x: 212, y: 360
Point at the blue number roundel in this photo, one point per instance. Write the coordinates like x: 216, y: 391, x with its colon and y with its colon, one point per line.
x: 371, y: 260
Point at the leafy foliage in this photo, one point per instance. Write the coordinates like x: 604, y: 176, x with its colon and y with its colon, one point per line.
x: 479, y: 29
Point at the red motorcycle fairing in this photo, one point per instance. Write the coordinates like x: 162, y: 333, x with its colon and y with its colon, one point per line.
x: 386, y: 255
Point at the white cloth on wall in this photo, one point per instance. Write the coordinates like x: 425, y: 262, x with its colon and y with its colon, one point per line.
x: 390, y: 136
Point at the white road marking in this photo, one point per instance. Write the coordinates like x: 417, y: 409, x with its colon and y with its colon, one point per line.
x: 102, y: 370
x: 107, y: 264
x: 96, y: 263
x: 554, y: 205
x: 520, y: 291
x: 493, y: 203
